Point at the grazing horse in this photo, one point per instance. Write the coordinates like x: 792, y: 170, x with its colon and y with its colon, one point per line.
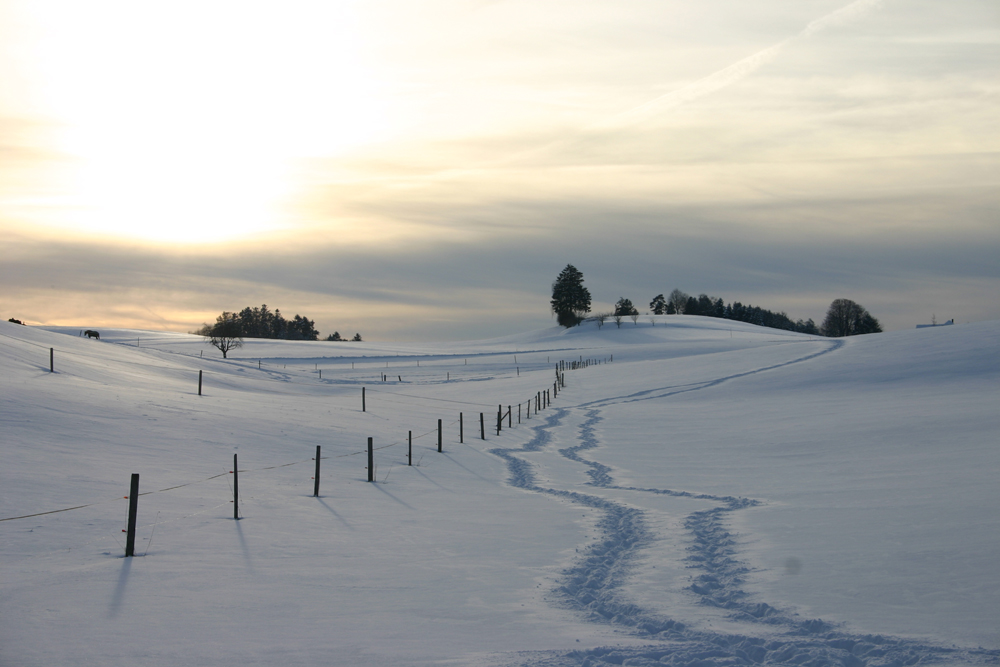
x: 90, y: 333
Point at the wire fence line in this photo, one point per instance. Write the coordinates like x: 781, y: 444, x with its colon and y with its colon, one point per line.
x: 92, y: 361
x: 230, y: 472
x: 409, y: 440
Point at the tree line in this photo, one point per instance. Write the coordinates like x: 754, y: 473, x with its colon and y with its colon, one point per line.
x: 231, y: 328
x: 571, y: 303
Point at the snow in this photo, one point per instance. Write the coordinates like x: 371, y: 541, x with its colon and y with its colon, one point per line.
x: 704, y: 498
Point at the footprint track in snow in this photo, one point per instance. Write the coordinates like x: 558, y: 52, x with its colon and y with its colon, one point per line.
x: 594, y: 584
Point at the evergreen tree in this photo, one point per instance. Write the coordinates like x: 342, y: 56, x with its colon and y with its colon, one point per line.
x: 570, y: 299
x: 658, y: 305
x: 625, y: 308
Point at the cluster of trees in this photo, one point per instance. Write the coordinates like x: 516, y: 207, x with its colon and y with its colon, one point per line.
x: 230, y: 329
x: 262, y: 323
x: 571, y: 302
x: 335, y: 336
x: 15, y: 321
x: 846, y: 318
x: 708, y: 306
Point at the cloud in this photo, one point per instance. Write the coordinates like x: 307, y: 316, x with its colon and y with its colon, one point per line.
x: 737, y: 71
x: 498, y: 285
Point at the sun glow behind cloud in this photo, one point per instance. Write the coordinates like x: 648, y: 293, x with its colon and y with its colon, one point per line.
x: 182, y: 120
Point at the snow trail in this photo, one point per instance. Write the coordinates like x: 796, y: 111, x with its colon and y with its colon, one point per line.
x: 593, y: 585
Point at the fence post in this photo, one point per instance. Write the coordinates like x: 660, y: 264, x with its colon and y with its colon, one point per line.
x: 133, y: 508
x: 518, y: 413
x: 499, y: 418
x: 316, y: 485
x: 371, y: 461
x: 439, y: 435
x: 199, y: 382
x: 461, y: 428
x: 482, y: 426
x: 510, y: 417
x: 362, y: 399
x: 236, y: 488
x: 52, y: 360
x: 409, y: 450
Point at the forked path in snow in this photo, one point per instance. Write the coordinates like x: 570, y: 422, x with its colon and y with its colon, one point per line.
x: 595, y: 584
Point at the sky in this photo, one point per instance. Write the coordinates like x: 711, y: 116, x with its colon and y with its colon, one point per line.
x: 424, y: 170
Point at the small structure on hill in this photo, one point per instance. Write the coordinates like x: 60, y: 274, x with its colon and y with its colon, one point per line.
x: 935, y: 324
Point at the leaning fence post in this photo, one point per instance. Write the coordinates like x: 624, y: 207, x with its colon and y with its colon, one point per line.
x: 133, y: 507
x: 439, y: 435
x: 199, y: 382
x: 482, y: 426
x: 316, y: 485
x: 371, y: 461
x: 52, y: 360
x: 236, y: 488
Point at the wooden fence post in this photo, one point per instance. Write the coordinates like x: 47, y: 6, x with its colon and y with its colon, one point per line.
x: 518, y: 413
x: 461, y: 428
x: 199, y: 382
x: 362, y: 399
x: 439, y: 435
x: 409, y: 450
x: 236, y: 488
x: 371, y: 461
x: 52, y: 360
x: 510, y: 417
x: 316, y: 485
x: 482, y: 427
x: 499, y: 418
x: 133, y: 508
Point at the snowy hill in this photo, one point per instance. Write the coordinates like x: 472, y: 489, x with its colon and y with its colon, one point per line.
x: 717, y: 494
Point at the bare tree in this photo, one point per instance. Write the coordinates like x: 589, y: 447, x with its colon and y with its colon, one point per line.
x: 678, y: 300
x: 618, y: 319
x: 846, y: 318
x: 635, y: 317
x: 226, y: 334
x: 601, y: 319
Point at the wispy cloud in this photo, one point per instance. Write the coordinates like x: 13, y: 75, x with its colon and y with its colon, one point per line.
x: 735, y: 72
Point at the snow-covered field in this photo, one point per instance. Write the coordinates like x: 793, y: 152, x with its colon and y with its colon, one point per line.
x: 718, y: 494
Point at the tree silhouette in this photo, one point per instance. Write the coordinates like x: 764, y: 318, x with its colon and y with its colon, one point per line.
x: 570, y: 299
